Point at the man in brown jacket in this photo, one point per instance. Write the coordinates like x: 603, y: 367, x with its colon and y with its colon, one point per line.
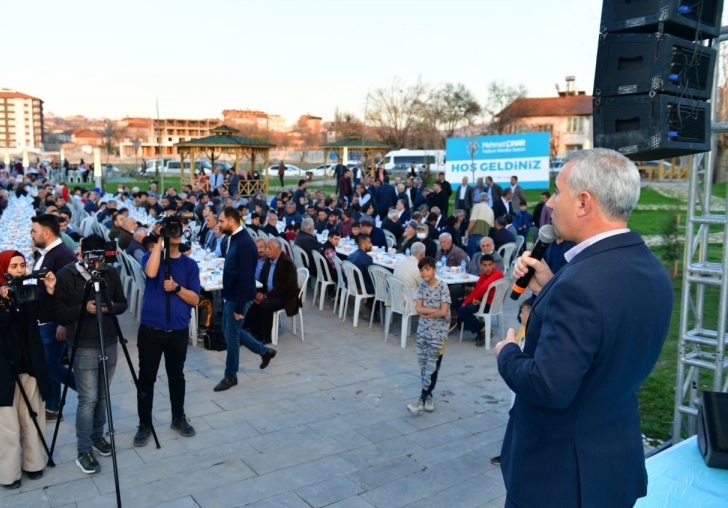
x: 279, y: 291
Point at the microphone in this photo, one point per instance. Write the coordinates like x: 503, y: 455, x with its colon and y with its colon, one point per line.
x: 546, y: 235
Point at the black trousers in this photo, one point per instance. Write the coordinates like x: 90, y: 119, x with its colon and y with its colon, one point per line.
x: 260, y: 317
x: 433, y: 380
x: 152, y: 344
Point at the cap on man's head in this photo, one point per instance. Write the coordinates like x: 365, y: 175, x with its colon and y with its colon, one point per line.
x: 412, y: 224
x: 423, y: 226
x: 366, y: 221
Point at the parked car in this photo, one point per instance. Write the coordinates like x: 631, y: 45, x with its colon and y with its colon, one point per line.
x: 291, y: 170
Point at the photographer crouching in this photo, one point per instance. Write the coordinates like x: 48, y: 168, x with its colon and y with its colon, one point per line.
x: 172, y: 290
x: 71, y: 298
x: 22, y: 359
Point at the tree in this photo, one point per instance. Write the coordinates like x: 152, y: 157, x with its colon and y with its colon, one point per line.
x: 452, y: 106
x: 108, y: 136
x: 395, y: 110
x: 346, y: 124
x: 500, y: 96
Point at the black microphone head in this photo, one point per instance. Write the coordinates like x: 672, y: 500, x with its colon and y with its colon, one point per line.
x: 546, y: 234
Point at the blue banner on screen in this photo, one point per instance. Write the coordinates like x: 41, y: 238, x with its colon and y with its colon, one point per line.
x: 525, y: 156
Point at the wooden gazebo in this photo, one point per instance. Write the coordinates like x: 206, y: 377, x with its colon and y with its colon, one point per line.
x: 367, y: 150
x: 223, y: 140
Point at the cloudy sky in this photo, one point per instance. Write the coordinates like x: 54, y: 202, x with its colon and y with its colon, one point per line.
x: 287, y: 57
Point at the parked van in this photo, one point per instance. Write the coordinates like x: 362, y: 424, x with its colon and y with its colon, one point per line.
x: 398, y: 159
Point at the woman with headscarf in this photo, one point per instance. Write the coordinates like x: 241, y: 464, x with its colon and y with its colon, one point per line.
x: 21, y: 355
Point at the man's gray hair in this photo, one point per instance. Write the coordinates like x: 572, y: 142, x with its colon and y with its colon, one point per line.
x: 393, y: 214
x: 418, y: 180
x: 277, y: 241
x: 445, y: 235
x: 140, y: 231
x: 400, y: 187
x: 435, y: 209
x: 307, y: 225
x: 483, y: 197
x: 417, y: 249
x: 260, y: 239
x: 607, y: 175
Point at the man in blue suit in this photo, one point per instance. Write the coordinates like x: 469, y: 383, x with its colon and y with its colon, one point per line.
x: 595, y: 332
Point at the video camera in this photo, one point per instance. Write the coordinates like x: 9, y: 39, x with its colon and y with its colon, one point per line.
x: 21, y: 293
x: 105, y: 256
x: 172, y: 225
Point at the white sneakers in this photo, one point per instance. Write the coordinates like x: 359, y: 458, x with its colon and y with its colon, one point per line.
x: 416, y: 408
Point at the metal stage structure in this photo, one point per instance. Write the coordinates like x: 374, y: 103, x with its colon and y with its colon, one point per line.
x: 702, y: 340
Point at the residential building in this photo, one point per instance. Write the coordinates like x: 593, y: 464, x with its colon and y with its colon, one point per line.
x: 86, y: 137
x: 21, y: 121
x: 145, y: 137
x: 567, y: 117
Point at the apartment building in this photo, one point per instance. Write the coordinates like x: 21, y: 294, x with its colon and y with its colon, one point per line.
x: 21, y: 121
x: 145, y: 137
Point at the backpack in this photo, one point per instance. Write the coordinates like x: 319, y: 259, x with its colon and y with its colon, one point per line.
x: 213, y: 339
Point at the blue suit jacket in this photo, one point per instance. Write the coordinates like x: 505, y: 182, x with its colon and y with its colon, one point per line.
x: 594, y: 334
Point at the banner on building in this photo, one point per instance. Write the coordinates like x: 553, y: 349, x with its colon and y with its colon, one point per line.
x: 525, y: 156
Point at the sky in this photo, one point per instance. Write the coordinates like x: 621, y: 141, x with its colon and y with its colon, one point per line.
x: 287, y: 57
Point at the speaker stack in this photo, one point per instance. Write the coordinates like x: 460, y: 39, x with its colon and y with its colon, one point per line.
x: 654, y: 74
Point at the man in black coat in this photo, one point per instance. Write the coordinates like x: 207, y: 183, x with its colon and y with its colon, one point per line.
x: 502, y: 206
x: 306, y: 240
x: 392, y: 225
x: 386, y: 198
x: 279, y: 291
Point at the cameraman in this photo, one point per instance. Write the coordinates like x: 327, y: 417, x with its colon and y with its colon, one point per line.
x: 158, y: 337
x: 21, y: 343
x: 52, y: 254
x: 91, y: 411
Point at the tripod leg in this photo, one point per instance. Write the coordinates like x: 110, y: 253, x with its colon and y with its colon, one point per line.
x: 68, y: 374
x: 34, y: 417
x: 123, y: 342
x: 141, y: 394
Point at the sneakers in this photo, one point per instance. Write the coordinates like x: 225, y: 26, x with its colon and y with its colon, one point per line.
x: 416, y: 408
x: 453, y: 323
x: 142, y: 436
x: 495, y: 461
x: 102, y: 446
x: 429, y: 404
x: 182, y: 425
x: 52, y: 416
x: 88, y: 463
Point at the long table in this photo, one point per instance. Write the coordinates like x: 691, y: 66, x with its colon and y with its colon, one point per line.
x: 387, y: 260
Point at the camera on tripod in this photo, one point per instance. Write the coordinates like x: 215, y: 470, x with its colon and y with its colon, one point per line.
x: 19, y: 292
x: 95, y: 260
x: 172, y: 225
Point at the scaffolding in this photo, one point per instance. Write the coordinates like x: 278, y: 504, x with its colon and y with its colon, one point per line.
x: 702, y: 339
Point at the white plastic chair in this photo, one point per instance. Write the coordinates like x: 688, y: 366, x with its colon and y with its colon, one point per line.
x: 402, y: 302
x: 137, y: 288
x: 323, y: 278
x: 300, y: 259
x: 354, y: 275
x: 519, y: 243
x: 252, y: 233
x: 286, y: 247
x: 263, y: 235
x: 507, y: 252
x: 500, y: 288
x: 391, y: 240
x: 302, y: 280
x: 379, y: 276
x: 340, y: 286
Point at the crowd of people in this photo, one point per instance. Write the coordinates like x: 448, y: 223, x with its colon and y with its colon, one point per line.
x: 259, y: 279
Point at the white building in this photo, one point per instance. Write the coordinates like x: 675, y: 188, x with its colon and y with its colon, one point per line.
x: 21, y: 121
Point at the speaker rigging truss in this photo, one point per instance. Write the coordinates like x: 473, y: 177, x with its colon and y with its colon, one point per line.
x: 702, y: 338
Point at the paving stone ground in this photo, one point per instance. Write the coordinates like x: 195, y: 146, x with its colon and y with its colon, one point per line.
x: 324, y: 425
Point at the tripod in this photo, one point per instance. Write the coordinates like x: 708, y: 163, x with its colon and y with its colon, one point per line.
x: 97, y: 285
x: 33, y: 414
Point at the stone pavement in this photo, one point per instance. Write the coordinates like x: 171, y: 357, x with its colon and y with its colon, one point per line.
x: 324, y: 425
